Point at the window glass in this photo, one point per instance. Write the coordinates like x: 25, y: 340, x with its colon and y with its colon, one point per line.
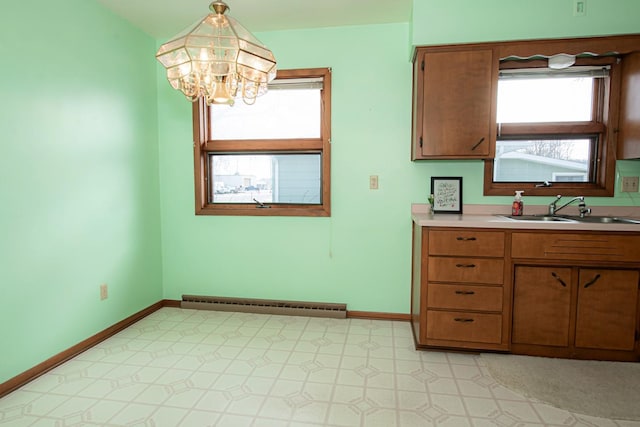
x: 540, y: 160
x: 544, y: 100
x: 285, y: 111
x: 266, y: 178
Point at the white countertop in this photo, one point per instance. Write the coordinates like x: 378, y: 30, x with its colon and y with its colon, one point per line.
x: 487, y: 216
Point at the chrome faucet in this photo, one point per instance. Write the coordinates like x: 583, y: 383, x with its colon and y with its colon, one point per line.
x: 582, y: 206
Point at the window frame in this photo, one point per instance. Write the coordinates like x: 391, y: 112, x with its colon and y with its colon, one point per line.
x: 593, y: 129
x: 204, y: 145
x: 606, y: 156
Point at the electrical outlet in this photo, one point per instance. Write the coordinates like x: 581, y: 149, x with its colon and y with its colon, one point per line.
x: 104, y: 291
x: 579, y: 7
x: 373, y: 182
x: 629, y: 184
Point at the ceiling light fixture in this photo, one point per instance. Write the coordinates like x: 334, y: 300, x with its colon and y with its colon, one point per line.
x: 218, y: 59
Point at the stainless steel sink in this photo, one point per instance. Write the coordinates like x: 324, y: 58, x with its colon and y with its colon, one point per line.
x: 537, y: 218
x: 568, y: 218
x: 607, y: 220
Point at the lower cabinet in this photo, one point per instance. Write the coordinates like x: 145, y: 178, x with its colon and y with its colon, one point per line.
x: 586, y: 305
x: 459, y: 295
x: 603, y: 314
x: 556, y: 294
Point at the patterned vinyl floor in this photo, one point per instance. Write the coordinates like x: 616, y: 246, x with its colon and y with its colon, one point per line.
x: 203, y: 368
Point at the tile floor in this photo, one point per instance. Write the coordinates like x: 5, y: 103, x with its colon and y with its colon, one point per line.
x: 203, y: 368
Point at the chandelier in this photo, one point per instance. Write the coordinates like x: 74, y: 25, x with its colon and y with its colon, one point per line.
x: 218, y: 59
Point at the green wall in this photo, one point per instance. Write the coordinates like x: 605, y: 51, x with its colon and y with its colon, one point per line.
x: 78, y: 176
x: 361, y: 254
x: 464, y: 21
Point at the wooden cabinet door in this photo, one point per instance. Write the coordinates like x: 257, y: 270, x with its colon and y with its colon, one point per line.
x: 607, y: 309
x: 458, y: 104
x: 629, y: 126
x: 542, y: 305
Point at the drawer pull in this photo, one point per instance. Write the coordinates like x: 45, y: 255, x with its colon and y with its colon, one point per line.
x: 555, y: 276
x: 463, y: 319
x: 465, y: 265
x: 465, y: 292
x: 594, y: 280
x: 466, y: 239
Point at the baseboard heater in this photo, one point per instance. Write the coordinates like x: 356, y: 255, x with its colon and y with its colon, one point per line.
x: 265, y: 306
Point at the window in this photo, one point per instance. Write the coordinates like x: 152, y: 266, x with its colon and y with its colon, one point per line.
x: 553, y: 128
x: 559, y: 111
x: 269, y: 158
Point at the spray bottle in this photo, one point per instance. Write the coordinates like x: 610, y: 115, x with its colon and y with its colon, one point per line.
x: 517, y: 206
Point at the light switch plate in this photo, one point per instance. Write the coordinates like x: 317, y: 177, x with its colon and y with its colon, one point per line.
x: 373, y: 182
x: 104, y: 291
x: 579, y: 7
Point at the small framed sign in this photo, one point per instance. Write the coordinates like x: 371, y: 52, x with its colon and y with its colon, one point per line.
x: 447, y: 194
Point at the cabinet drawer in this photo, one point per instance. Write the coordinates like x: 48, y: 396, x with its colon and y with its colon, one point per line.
x: 586, y: 247
x: 465, y: 270
x: 469, y: 327
x: 468, y: 242
x: 464, y: 297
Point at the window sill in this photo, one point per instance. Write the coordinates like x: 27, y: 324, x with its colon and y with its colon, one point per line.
x: 270, y: 210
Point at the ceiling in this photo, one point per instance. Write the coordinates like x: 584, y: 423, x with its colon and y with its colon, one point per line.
x: 166, y: 18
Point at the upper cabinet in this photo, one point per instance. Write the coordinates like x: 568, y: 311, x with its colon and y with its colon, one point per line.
x: 629, y: 135
x: 454, y: 103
